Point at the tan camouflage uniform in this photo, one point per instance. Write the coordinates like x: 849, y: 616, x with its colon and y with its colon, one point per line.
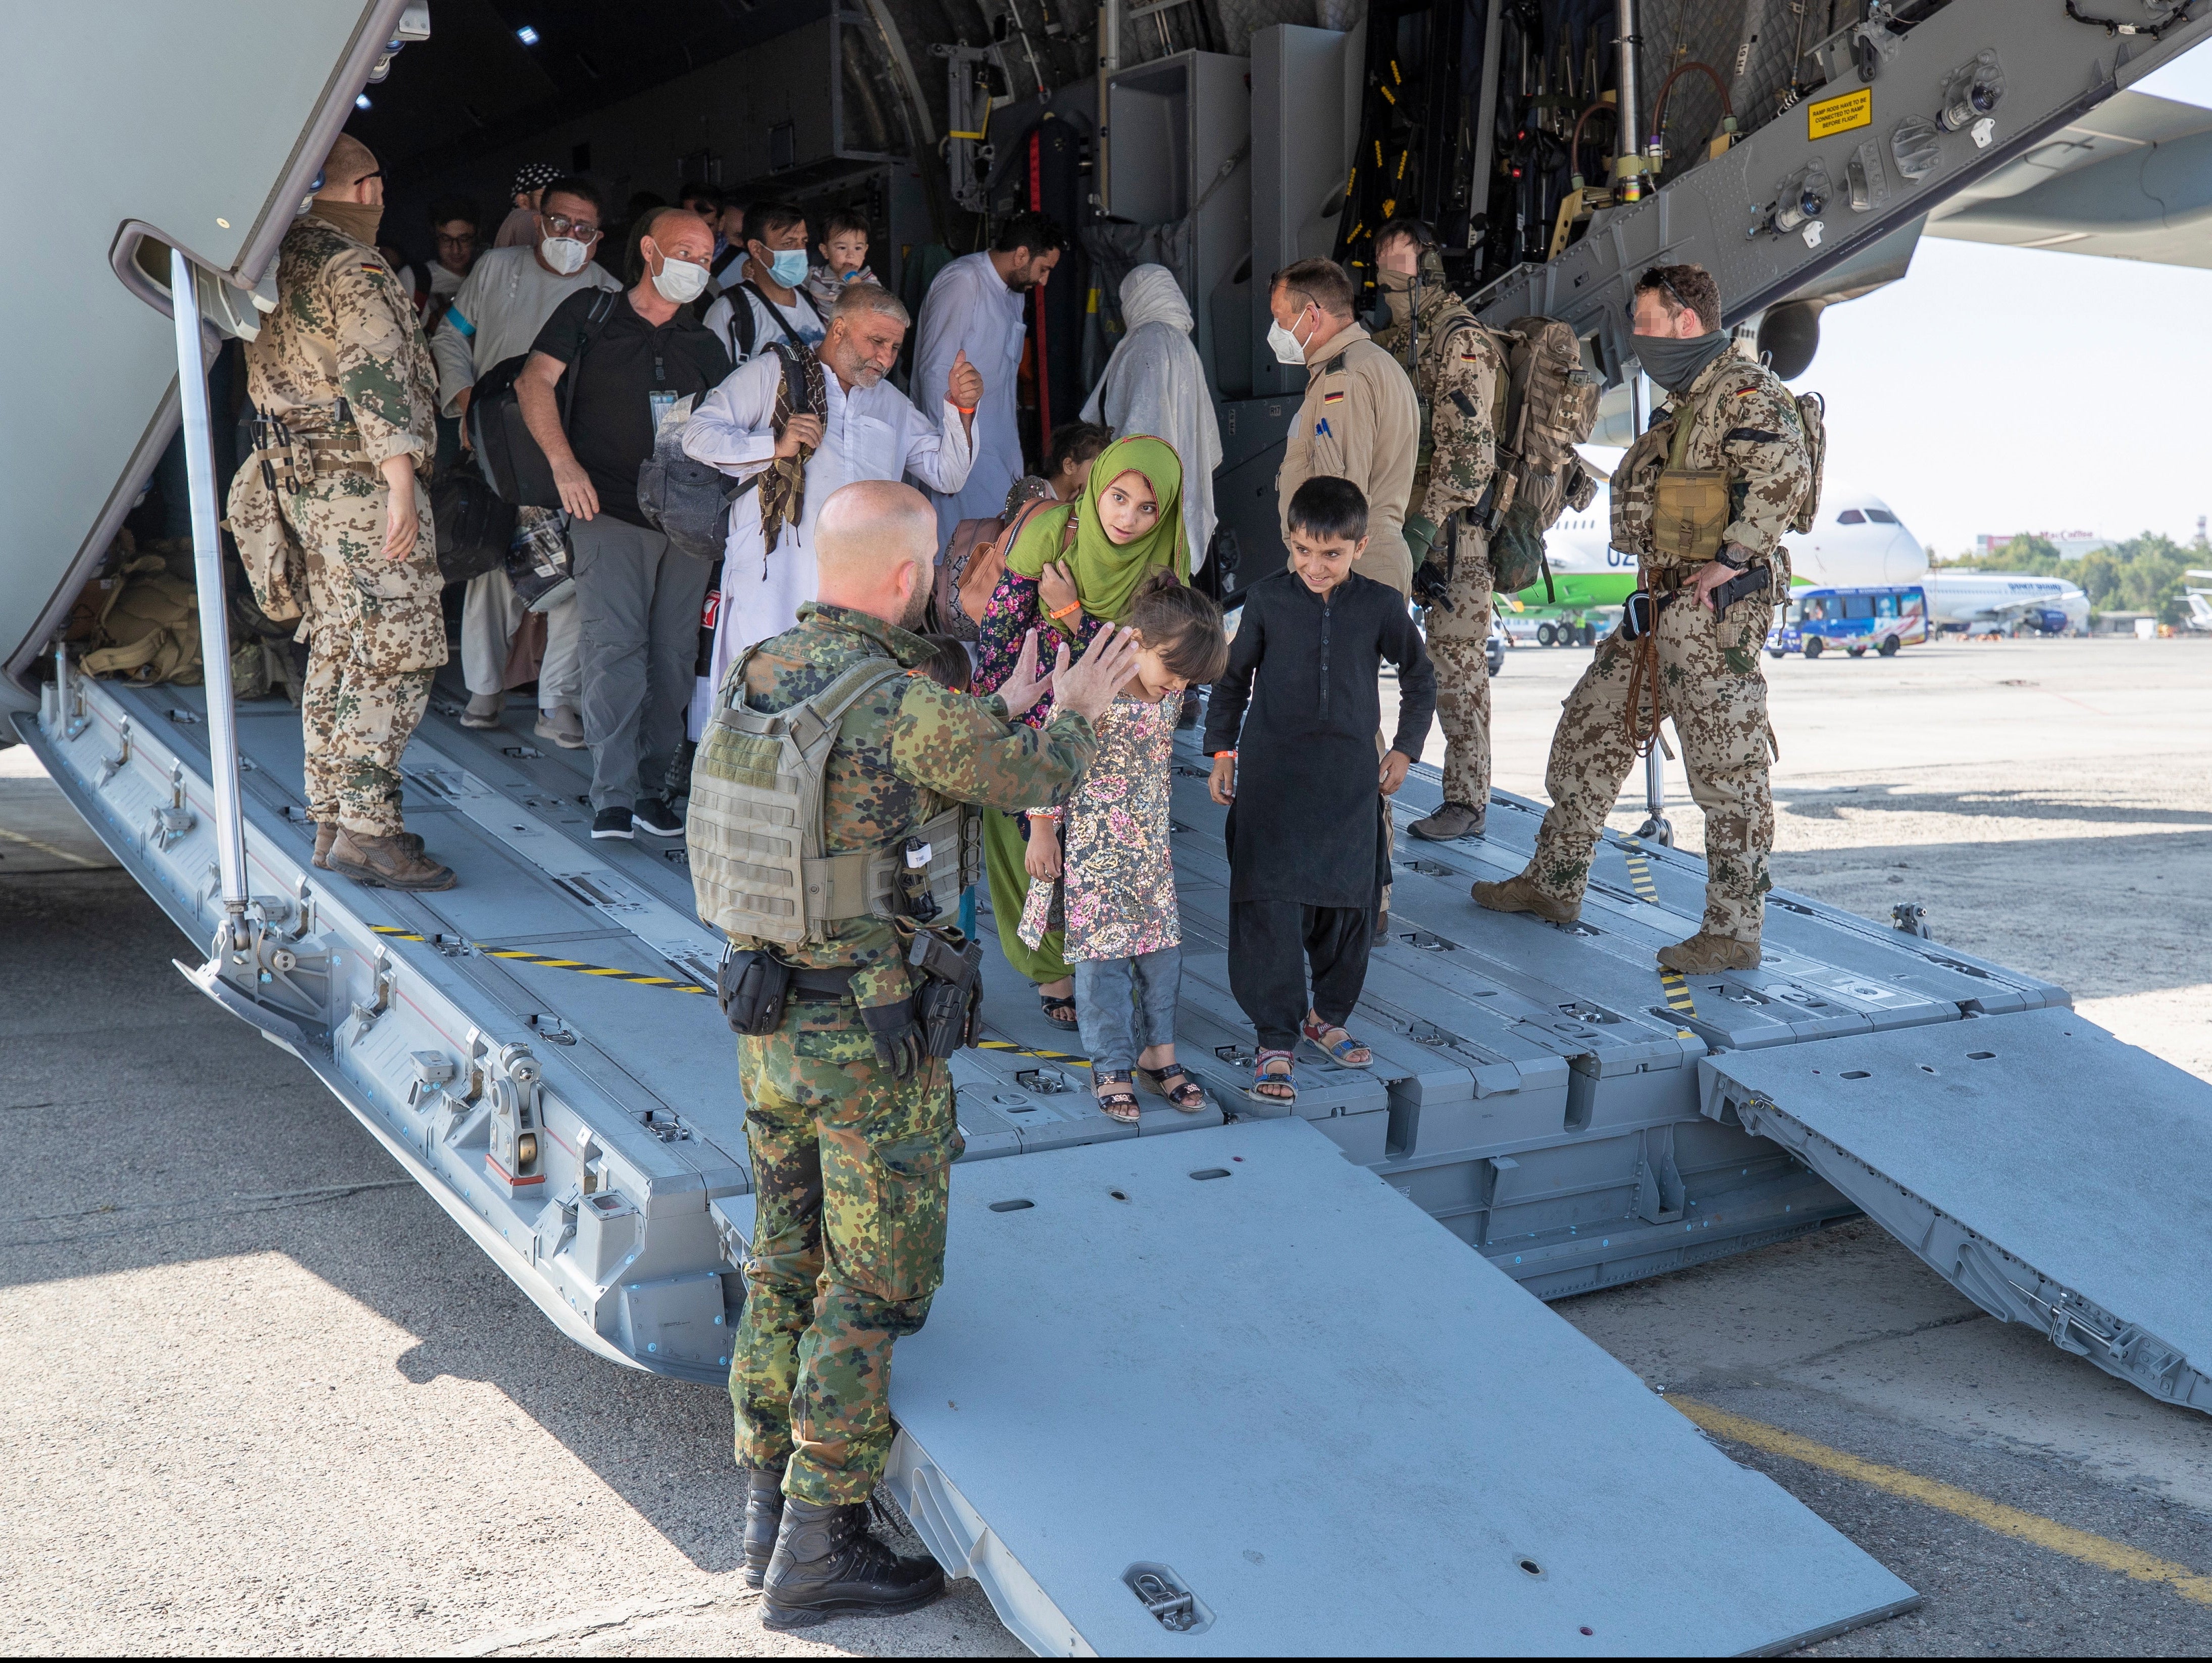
x: 1708, y: 668
x: 344, y: 329
x: 1456, y: 380
x: 851, y: 1166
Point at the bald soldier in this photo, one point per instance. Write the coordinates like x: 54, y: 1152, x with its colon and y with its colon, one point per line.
x: 847, y: 1004
x: 333, y: 521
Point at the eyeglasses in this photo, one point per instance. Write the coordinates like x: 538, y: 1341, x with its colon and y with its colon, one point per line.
x: 1641, y: 289
x: 561, y: 226
x: 464, y: 240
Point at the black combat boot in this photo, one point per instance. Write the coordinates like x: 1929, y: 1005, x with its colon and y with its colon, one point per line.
x: 764, y: 1514
x: 826, y: 1563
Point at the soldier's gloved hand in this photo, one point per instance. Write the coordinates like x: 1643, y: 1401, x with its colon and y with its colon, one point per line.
x: 1421, y: 536
x: 899, y: 1037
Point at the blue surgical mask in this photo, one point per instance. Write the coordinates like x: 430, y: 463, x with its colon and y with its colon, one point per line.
x: 789, y: 267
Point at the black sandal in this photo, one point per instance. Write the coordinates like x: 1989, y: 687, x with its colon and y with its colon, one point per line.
x: 1116, y: 1105
x: 1058, y: 1009
x: 1187, y: 1095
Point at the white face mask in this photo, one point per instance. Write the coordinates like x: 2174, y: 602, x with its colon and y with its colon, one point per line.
x: 564, y: 255
x: 679, y: 280
x: 1286, y: 344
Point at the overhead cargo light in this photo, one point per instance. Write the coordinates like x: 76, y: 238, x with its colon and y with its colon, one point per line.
x: 527, y: 35
x: 360, y: 101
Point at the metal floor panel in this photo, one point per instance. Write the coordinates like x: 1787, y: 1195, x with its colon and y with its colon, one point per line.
x: 2053, y: 1174
x: 1234, y: 1361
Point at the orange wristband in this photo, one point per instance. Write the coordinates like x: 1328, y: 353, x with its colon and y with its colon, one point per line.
x: 1072, y: 607
x: 965, y: 410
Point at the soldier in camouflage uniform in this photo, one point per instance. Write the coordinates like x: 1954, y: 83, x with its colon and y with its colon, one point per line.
x: 331, y: 516
x: 1456, y: 370
x: 850, y: 1125
x: 1746, y: 447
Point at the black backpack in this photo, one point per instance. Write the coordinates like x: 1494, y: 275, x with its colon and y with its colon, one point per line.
x: 690, y: 503
x: 475, y: 528
x: 743, y: 320
x: 511, y: 457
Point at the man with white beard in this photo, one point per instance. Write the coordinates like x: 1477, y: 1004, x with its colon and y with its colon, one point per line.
x: 866, y: 429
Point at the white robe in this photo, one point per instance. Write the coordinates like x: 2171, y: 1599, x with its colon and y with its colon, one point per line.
x: 869, y: 433
x: 1155, y: 384
x: 970, y: 309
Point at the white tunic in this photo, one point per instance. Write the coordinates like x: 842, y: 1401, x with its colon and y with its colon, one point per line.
x: 869, y: 433
x: 970, y: 309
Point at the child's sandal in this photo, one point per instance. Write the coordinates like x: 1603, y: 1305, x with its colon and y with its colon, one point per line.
x: 1114, y: 1103
x: 1270, y: 1088
x: 1346, y: 1052
x: 1186, y: 1094
x: 1058, y: 1009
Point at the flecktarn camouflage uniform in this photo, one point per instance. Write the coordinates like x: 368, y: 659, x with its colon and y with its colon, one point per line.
x: 1709, y: 680
x: 1456, y: 377
x: 344, y: 329
x: 851, y: 1166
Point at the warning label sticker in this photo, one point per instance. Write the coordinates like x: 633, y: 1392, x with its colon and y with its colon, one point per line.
x: 1839, y: 115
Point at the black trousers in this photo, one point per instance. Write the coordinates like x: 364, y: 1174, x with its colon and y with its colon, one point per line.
x: 1270, y: 943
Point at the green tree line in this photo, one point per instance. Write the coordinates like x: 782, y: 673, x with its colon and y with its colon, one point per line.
x: 2144, y: 574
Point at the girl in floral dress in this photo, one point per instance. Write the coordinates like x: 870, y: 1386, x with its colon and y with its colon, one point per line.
x: 1071, y: 569
x: 1123, y: 936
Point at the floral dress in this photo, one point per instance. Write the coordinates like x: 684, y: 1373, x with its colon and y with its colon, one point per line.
x: 1014, y: 610
x: 1120, y: 881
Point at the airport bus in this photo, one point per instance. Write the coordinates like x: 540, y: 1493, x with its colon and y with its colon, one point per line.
x: 1854, y: 619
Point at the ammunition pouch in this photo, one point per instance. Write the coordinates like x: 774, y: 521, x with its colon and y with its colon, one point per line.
x: 276, y: 565
x: 948, y: 1002
x: 1690, y: 512
x: 751, y: 988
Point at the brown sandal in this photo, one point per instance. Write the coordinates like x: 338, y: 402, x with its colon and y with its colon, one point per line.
x: 1116, y: 1105
x: 1187, y: 1094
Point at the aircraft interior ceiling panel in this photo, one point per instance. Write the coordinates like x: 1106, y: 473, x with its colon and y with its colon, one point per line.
x: 220, y: 103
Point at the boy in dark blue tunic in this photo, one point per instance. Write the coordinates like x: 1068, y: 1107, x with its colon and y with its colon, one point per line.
x: 1307, y: 856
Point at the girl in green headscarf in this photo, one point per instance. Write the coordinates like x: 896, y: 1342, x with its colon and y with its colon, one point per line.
x: 1071, y: 569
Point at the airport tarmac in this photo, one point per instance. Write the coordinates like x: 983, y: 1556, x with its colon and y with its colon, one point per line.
x: 268, y: 1398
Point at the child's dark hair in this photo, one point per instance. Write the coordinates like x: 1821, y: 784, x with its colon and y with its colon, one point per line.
x: 950, y: 665
x: 1184, y: 625
x: 840, y: 223
x: 1329, y: 508
x: 1077, y: 441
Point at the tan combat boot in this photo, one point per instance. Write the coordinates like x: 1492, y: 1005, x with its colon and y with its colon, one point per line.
x: 393, y: 862
x: 1706, y: 953
x: 1518, y: 895
x: 1454, y: 819
x: 325, y: 831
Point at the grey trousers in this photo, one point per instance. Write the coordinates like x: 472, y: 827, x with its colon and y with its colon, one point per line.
x: 639, y: 602
x: 1124, y: 1006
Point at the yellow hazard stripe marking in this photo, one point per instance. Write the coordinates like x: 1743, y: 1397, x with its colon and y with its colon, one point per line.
x: 1023, y: 1050
x: 2090, y: 1549
x: 605, y: 972
x: 674, y: 986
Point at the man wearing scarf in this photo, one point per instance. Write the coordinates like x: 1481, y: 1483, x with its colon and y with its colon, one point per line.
x: 341, y: 363
x: 856, y: 426
x: 1702, y: 500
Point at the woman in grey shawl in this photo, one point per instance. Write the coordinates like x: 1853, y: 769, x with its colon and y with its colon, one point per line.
x: 1155, y: 384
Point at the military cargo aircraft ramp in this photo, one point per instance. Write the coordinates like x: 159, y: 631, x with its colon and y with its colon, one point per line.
x: 1199, y: 1387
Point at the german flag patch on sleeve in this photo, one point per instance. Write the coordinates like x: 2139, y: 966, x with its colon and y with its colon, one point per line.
x: 1335, y: 397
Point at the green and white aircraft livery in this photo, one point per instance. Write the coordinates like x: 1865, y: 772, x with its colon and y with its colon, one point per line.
x: 1858, y: 541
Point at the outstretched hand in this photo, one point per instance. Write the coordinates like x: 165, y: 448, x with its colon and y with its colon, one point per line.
x: 1024, y: 688
x: 1087, y: 687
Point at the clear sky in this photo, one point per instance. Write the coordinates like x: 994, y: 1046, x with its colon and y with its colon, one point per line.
x: 2021, y: 389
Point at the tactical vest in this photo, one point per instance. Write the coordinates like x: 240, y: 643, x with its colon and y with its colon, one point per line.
x: 754, y: 824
